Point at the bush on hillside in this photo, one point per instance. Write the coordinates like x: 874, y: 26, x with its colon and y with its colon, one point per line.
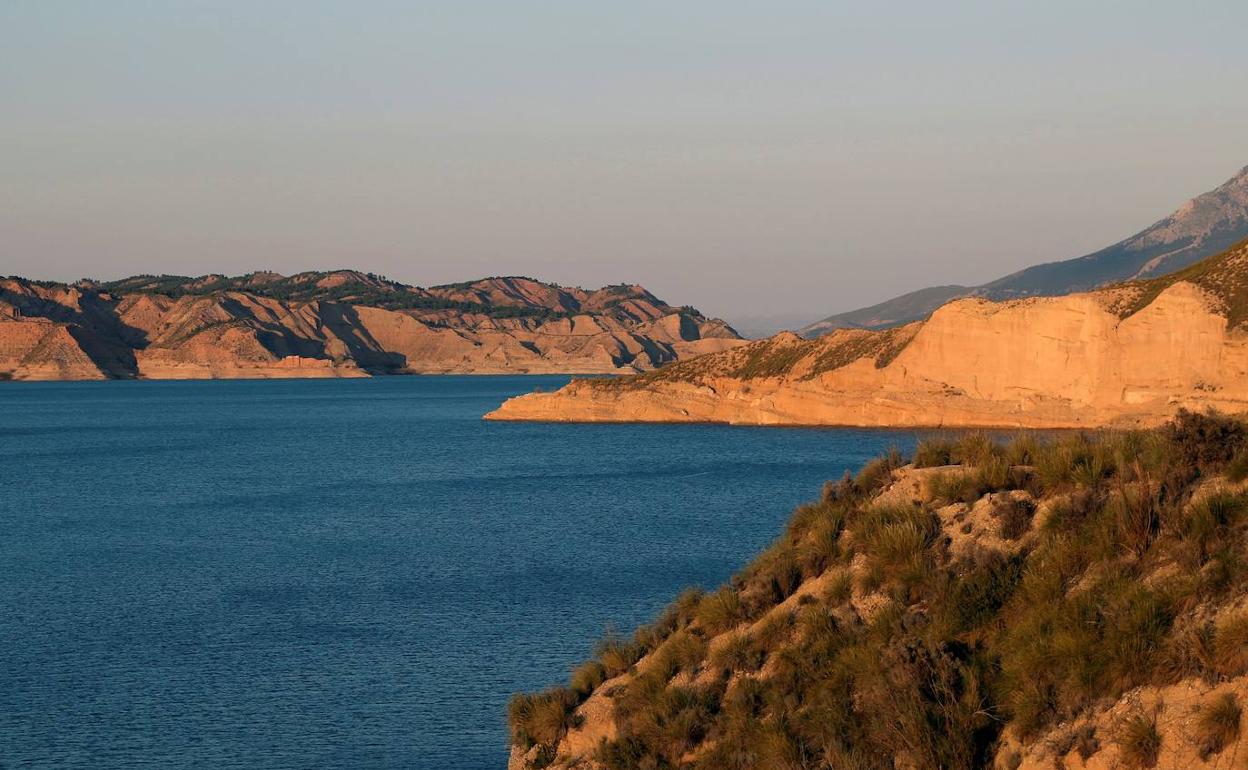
x: 915, y: 651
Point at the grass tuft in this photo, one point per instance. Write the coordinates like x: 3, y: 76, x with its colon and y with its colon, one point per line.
x: 1139, y: 741
x: 1217, y: 724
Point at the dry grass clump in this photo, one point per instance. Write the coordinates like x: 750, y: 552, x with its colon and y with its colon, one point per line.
x: 736, y: 652
x: 586, y: 678
x: 878, y: 472
x: 720, y: 611
x: 618, y: 654
x: 1139, y: 741
x: 1217, y: 724
x: 933, y: 453
x: 682, y: 652
x: 540, y: 719
x: 968, y: 484
x: 1230, y: 644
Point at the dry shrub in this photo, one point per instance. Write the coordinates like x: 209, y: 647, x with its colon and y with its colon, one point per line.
x: 1189, y: 652
x: 586, y: 678
x: 1014, y: 516
x: 1139, y: 741
x: 1204, y: 441
x: 618, y: 655
x: 1237, y: 469
x: 1230, y: 644
x: 840, y: 587
x: 933, y: 453
x: 720, y: 611
x: 1217, y: 724
x: 541, y: 719
x: 737, y: 652
x: 1086, y: 742
x: 876, y: 474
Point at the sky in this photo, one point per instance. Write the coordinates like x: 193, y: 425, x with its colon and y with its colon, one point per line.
x: 755, y: 159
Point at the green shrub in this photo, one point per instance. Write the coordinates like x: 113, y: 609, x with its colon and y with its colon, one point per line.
x: 967, y: 485
x: 1060, y: 655
x: 1135, y: 518
x: 1076, y: 460
x: 1206, y: 524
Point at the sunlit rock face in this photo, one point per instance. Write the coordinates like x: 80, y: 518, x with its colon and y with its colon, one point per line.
x: 339, y: 324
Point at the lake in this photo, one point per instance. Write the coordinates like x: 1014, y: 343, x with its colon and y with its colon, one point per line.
x: 345, y: 573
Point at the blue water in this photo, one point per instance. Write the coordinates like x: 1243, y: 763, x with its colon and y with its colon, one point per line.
x: 351, y: 573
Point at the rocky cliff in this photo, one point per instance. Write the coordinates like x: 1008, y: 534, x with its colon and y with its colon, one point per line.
x: 1078, y: 604
x: 1202, y: 227
x: 337, y: 324
x: 1132, y: 354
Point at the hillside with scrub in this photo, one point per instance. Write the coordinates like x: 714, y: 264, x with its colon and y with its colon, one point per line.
x: 1069, y: 601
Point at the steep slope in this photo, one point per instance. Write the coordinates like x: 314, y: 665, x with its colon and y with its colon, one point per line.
x: 1204, y: 226
x: 1128, y: 355
x: 1079, y: 603
x: 337, y: 324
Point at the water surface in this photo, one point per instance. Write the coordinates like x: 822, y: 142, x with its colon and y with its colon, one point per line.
x: 344, y: 573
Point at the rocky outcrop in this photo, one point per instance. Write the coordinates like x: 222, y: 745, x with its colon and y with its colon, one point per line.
x: 1130, y: 355
x: 340, y: 324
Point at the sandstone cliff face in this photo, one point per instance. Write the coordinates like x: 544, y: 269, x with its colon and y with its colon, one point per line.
x: 323, y: 325
x: 1130, y: 355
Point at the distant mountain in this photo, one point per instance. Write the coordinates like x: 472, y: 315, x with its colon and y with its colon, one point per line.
x: 1202, y: 227
x: 337, y: 324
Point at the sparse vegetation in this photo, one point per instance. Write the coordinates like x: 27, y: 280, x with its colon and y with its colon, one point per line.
x: 1218, y: 723
x: 1139, y: 741
x: 912, y: 648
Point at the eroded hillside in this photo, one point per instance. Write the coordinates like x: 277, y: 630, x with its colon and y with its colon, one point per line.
x: 1132, y: 354
x: 1073, y: 602
x: 337, y: 324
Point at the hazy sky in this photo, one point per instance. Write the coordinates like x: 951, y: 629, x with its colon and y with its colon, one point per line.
x: 750, y: 158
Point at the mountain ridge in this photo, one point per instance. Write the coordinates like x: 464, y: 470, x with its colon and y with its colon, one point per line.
x: 1201, y: 227
x: 337, y: 323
